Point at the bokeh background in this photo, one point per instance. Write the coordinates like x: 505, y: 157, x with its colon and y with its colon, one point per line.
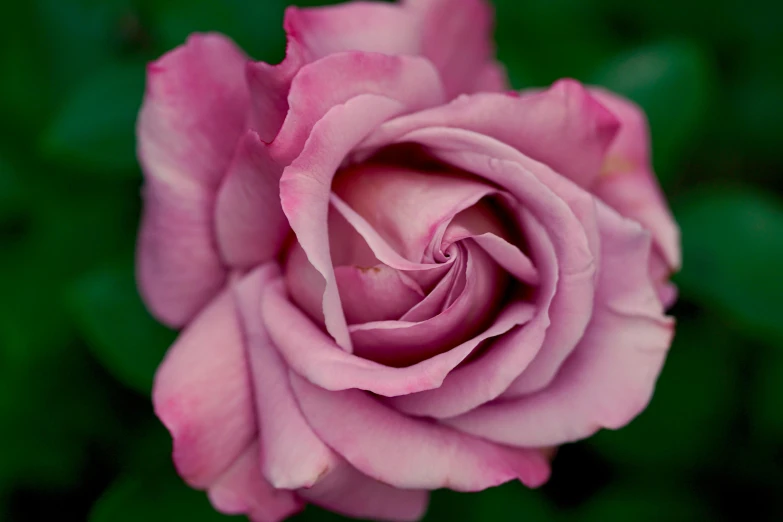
x: 78, y: 440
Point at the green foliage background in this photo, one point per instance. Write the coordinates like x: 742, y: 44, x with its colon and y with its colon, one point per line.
x: 78, y: 350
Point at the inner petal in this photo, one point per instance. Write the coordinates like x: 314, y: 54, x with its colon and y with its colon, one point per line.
x: 407, y: 207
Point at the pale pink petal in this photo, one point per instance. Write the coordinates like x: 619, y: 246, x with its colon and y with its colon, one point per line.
x: 355, y: 26
x: 306, y: 186
x: 293, y: 457
x: 629, y: 184
x: 334, y: 80
x: 241, y: 490
x: 492, y: 78
x: 458, y: 41
x: 411, y: 453
x: 193, y: 113
x: 249, y: 219
x: 178, y: 267
x: 202, y: 394
x: 375, y: 293
x: 347, y: 491
x: 401, y: 343
x: 269, y: 86
x: 314, y: 355
x: 563, y: 127
x: 610, y: 376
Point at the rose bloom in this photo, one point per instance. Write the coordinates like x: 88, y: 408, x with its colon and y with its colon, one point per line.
x: 392, y: 273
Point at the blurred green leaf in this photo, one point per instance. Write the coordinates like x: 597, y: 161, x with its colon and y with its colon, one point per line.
x: 54, y: 409
x: 642, y: 503
x: 122, y: 334
x: 671, y: 80
x: 257, y: 27
x: 11, y: 191
x: 767, y: 394
x: 154, y: 495
x: 82, y: 36
x: 580, y: 46
x: 695, y: 402
x: 732, y: 247
x: 25, y: 95
x: 95, y: 128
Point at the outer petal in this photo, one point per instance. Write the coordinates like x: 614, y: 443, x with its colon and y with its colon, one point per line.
x: 410, y: 453
x: 347, y: 491
x: 249, y: 219
x: 293, y: 456
x: 334, y: 80
x: 457, y: 41
x: 241, y: 490
x: 193, y: 114
x: 203, y: 396
x: 492, y: 78
x: 610, y: 376
x: 269, y: 86
x: 563, y: 127
x: 355, y: 26
x: 629, y: 184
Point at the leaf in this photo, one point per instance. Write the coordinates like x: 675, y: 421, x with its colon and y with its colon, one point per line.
x: 154, y: 495
x: 671, y: 81
x: 642, y: 502
x: 120, y: 331
x: 732, y: 251
x: 11, y: 191
x: 581, y: 44
x: 257, y: 27
x: 95, y: 127
x: 693, y: 407
x: 766, y: 408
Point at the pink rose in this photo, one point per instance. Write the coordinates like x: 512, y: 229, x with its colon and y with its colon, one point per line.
x: 393, y: 275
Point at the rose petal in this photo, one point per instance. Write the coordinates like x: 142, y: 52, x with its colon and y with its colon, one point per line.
x: 335, y: 79
x: 610, y: 376
x: 314, y: 355
x: 249, y: 219
x: 457, y: 41
x: 293, y: 456
x: 375, y: 293
x: 347, y: 491
x: 628, y: 183
x: 241, y: 490
x: 492, y: 78
x: 203, y: 396
x: 409, y: 453
x: 269, y: 86
x: 386, y: 197
x: 564, y: 209
x: 193, y: 114
x: 401, y: 343
x: 563, y: 127
x: 487, y: 376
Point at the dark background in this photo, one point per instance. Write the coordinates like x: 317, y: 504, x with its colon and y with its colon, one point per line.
x: 78, y: 440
